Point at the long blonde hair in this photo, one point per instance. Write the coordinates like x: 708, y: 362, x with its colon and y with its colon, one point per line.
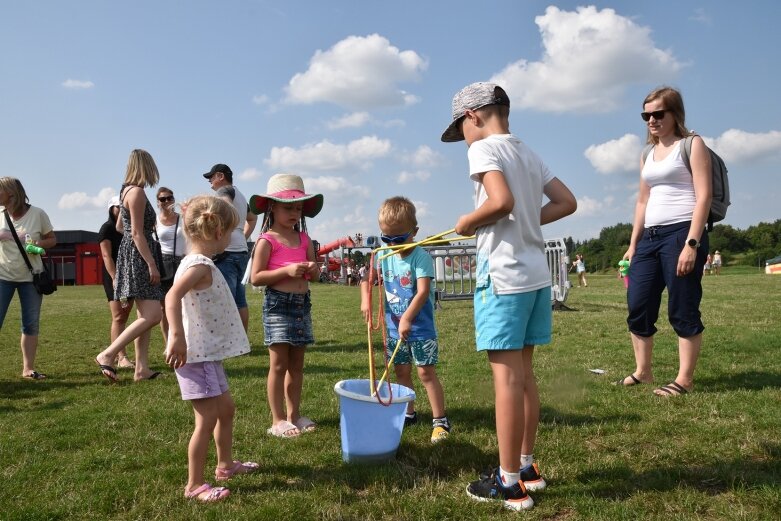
x: 141, y: 169
x: 16, y: 193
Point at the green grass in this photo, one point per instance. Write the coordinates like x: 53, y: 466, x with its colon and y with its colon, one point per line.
x: 75, y: 447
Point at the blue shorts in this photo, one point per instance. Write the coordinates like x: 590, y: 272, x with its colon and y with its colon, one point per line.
x: 422, y: 352
x: 512, y: 321
x: 287, y: 318
x: 232, y: 265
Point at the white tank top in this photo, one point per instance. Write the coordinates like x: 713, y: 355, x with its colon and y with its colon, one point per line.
x: 672, y: 197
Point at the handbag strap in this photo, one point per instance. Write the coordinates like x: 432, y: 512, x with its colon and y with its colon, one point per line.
x: 18, y: 242
x: 176, y: 228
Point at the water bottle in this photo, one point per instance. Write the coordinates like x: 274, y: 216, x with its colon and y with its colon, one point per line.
x: 32, y: 248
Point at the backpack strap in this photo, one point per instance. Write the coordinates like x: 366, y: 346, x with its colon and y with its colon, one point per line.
x: 686, y: 151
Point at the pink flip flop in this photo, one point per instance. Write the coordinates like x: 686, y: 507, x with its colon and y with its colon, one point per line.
x: 238, y: 467
x: 208, y: 494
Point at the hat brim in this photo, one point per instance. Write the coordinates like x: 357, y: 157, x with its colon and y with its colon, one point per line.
x: 313, y: 203
x: 453, y: 132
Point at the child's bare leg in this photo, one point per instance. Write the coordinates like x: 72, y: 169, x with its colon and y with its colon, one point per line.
x: 404, y: 377
x: 294, y: 382
x: 436, y: 396
x: 205, y: 420
x: 531, y: 403
x: 223, y: 431
x: 508, y: 372
x: 275, y: 386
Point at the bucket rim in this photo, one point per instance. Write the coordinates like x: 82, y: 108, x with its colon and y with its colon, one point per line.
x: 341, y: 391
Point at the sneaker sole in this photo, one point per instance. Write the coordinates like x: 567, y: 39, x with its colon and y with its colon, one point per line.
x: 535, y: 486
x: 517, y: 504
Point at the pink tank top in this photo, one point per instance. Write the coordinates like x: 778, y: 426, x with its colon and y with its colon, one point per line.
x: 282, y: 255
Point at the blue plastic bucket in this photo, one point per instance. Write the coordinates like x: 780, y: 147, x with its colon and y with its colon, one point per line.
x: 371, y: 432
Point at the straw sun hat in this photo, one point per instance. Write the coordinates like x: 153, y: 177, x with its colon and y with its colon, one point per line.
x: 287, y: 188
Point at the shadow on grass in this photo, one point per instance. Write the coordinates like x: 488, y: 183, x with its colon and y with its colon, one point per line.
x: 749, y: 380
x: 620, y: 483
x: 552, y: 417
x: 30, y: 389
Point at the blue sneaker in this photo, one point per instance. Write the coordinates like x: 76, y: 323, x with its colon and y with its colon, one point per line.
x: 491, y: 488
x: 532, y: 479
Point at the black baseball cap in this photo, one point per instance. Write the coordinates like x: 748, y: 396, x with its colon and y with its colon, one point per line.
x: 222, y: 169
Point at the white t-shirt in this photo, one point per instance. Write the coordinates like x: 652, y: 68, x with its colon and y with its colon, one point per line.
x: 212, y: 326
x: 34, y: 222
x: 672, y: 198
x: 511, y: 251
x: 238, y: 241
x: 166, y: 235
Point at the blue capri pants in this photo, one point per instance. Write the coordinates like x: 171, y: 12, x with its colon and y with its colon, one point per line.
x: 653, y: 269
x: 30, y: 301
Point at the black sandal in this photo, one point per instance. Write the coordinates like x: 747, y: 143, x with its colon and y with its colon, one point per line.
x: 35, y: 375
x: 671, y: 389
x: 635, y: 381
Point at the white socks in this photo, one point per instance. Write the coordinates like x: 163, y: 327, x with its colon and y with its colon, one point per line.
x: 526, y: 460
x: 509, y: 478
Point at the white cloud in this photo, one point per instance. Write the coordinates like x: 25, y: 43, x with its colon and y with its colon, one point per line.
x: 425, y: 157
x: 421, y: 209
x: 408, y: 177
x: 590, y: 58
x: 336, y: 189
x: 358, y: 72
x: 617, y: 155
x: 589, y: 207
x: 77, y: 84
x: 350, y: 222
x: 740, y: 146
x: 75, y: 200
x: 250, y: 174
x: 260, y: 99
x: 327, y: 156
x: 352, y: 120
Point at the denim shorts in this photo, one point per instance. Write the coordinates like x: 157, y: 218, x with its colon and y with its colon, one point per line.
x: 512, y: 321
x: 30, y: 301
x: 232, y: 265
x: 199, y: 380
x: 287, y: 318
x: 422, y: 352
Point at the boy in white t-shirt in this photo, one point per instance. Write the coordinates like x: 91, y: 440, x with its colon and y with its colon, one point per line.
x: 512, y: 295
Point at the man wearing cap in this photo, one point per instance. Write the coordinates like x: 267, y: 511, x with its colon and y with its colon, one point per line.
x: 233, y: 262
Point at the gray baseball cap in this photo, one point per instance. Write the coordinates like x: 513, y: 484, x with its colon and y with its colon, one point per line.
x: 473, y: 97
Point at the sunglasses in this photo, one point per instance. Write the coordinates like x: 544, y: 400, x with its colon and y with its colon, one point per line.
x: 657, y: 115
x: 397, y: 239
x: 166, y: 199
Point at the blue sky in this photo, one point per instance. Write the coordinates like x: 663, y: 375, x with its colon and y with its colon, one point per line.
x: 354, y: 95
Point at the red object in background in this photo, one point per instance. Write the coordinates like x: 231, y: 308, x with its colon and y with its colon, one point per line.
x: 89, y: 264
x: 345, y: 242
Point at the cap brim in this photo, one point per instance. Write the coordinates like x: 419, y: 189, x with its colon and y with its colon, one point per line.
x: 208, y: 175
x: 453, y: 132
x: 313, y: 203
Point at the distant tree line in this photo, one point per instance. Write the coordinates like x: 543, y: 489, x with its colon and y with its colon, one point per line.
x: 750, y: 247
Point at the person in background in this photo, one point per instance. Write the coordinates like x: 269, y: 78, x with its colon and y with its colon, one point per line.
x: 580, y: 267
x: 717, y: 262
x: 708, y: 268
x: 669, y: 242
x: 172, y: 243
x: 109, y: 239
x: 233, y: 261
x: 137, y: 273
x: 15, y: 276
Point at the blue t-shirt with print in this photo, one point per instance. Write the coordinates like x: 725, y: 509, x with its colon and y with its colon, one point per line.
x: 400, y: 279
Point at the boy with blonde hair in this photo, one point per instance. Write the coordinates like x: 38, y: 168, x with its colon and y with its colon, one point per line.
x: 512, y: 294
x: 409, y: 310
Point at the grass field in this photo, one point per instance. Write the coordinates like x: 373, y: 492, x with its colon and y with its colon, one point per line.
x: 75, y: 447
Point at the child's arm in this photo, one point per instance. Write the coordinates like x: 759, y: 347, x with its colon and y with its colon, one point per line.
x: 499, y: 203
x: 314, y: 271
x: 195, y: 277
x: 561, y: 202
x: 366, y: 303
x: 417, y: 303
x: 260, y: 275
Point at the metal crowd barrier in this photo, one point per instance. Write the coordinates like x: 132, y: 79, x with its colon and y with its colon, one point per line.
x: 455, y: 271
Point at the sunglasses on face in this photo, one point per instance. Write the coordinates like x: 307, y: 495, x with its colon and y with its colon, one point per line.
x: 397, y: 239
x: 166, y: 199
x: 657, y: 115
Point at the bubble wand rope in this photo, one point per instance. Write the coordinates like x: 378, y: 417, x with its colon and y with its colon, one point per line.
x: 380, y: 325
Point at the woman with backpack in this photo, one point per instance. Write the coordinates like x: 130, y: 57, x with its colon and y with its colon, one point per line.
x: 669, y: 242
